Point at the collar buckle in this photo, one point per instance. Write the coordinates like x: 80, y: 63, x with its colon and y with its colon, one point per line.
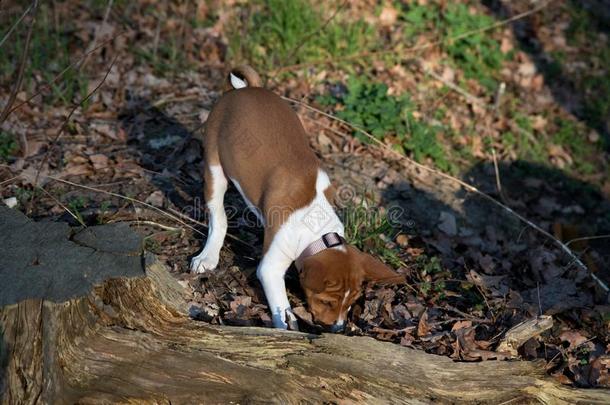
x: 332, y: 239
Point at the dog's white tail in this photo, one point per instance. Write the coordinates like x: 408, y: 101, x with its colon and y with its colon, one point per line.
x: 237, y: 83
x: 244, y: 76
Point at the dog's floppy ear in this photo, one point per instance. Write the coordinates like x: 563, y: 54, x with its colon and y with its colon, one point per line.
x: 313, y: 275
x: 377, y: 272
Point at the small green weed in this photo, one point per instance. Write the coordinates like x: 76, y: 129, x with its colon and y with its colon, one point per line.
x: 370, y: 107
x: 478, y: 55
x: 166, y: 59
x: 430, y: 269
x: 75, y: 205
x: 417, y: 19
x: 8, y: 146
x: 151, y: 244
x: 104, y: 210
x: 569, y: 136
x: 592, y: 80
x: 364, y: 225
x: 596, y: 87
x: 527, y: 146
x: 49, y: 54
x: 285, y: 32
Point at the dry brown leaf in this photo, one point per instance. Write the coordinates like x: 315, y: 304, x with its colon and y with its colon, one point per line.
x: 388, y: 16
x: 99, y: 160
x: 422, y: 326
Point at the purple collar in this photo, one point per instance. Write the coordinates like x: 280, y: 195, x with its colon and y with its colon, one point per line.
x: 327, y: 241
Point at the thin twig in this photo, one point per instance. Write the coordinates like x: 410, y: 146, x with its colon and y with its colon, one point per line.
x: 587, y: 238
x: 124, y: 197
x: 416, y: 48
x: 467, y: 316
x: 10, y: 31
x: 497, y: 171
x: 96, y: 36
x: 155, y: 224
x: 540, y: 313
x: 62, y: 206
x: 67, y: 120
x: 467, y: 186
x: 470, y: 97
x: 498, y: 99
x: 159, y: 210
x: 63, y: 72
x: 309, y: 35
x: 24, y: 58
x: 193, y: 220
x: 8, y: 180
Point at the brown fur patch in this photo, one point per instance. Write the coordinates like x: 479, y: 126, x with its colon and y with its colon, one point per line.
x: 259, y: 141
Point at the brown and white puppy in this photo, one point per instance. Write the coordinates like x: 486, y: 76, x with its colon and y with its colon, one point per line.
x: 254, y: 139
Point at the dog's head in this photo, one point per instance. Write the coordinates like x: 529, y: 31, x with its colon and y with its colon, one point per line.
x: 333, y: 280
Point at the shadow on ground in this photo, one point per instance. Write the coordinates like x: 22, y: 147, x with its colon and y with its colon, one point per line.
x: 566, y: 207
x: 172, y: 155
x: 469, y: 232
x: 588, y: 105
x: 166, y: 149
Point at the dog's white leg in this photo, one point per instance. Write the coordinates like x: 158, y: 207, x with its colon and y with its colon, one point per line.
x: 271, y: 272
x: 217, y: 226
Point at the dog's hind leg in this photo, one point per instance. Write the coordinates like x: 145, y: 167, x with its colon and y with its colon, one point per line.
x: 215, y: 187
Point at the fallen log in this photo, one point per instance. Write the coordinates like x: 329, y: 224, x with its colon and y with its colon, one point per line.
x: 122, y: 335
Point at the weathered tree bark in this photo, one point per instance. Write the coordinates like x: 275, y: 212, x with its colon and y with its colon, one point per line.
x: 127, y: 339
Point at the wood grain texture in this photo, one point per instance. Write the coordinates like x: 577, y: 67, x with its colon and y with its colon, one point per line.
x: 128, y: 340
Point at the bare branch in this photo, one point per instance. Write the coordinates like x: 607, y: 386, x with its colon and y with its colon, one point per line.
x: 97, y: 34
x: 63, y: 72
x: 76, y: 217
x: 67, y: 120
x: 24, y: 57
x: 309, y: 35
x: 10, y: 31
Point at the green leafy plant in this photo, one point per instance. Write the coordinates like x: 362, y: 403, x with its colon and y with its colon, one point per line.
x: 75, y: 205
x: 527, y: 146
x: 597, y: 88
x: 49, y: 54
x: 369, y: 106
x: 591, y: 80
x: 431, y: 270
x: 417, y: 18
x: 8, y: 146
x: 167, y: 58
x: 285, y: 32
x: 572, y: 138
x: 364, y: 226
x: 104, y: 210
x: 478, y: 55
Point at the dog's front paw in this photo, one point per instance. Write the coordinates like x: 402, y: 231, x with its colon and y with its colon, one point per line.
x: 201, y: 264
x: 286, y: 320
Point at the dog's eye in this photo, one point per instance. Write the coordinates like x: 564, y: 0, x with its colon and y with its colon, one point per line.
x: 327, y: 303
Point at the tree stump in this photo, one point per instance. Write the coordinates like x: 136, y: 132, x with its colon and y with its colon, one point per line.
x: 86, y: 317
